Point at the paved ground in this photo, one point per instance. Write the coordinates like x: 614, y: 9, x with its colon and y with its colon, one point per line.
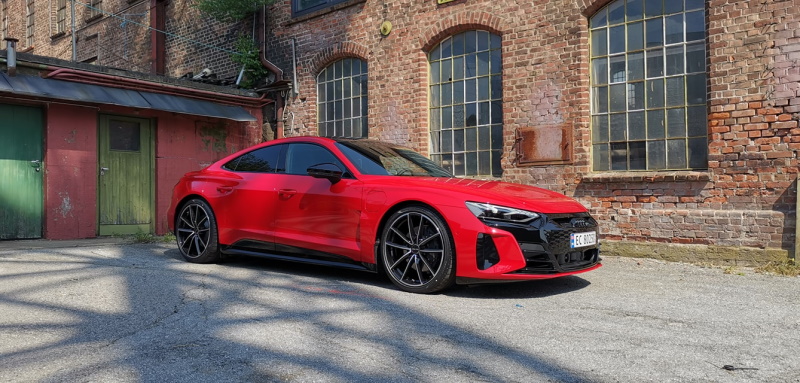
x: 99, y: 311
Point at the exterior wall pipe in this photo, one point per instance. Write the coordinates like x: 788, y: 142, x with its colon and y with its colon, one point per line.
x: 129, y: 83
x: 157, y: 45
x: 278, y: 72
x: 797, y: 221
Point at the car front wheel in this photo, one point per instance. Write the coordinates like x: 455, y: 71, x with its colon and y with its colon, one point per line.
x: 196, y: 232
x: 417, y: 250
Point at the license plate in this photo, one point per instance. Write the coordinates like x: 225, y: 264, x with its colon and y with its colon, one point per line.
x: 582, y: 239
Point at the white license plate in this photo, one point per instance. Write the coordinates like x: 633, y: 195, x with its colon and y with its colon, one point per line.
x: 582, y: 239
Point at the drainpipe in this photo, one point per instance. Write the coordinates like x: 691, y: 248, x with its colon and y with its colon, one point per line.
x: 261, y: 35
x: 11, y: 55
x: 797, y: 222
x: 157, y: 45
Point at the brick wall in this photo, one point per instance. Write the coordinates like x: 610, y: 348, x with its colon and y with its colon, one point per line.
x: 745, y: 198
x: 123, y: 41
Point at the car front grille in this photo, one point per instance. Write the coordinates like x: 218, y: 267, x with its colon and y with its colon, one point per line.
x: 545, y: 244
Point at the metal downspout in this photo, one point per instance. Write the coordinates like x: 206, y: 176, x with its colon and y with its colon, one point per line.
x: 262, y: 38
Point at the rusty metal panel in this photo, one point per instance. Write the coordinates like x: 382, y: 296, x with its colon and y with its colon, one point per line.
x: 543, y: 145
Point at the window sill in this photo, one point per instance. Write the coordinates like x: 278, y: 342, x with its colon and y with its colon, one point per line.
x: 58, y: 35
x: 667, y: 176
x: 93, y: 18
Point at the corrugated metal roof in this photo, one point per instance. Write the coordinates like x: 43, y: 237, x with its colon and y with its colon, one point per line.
x: 97, y: 94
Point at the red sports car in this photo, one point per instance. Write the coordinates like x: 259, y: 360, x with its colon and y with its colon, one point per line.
x: 370, y: 205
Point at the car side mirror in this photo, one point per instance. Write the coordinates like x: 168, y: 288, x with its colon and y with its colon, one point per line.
x: 329, y: 171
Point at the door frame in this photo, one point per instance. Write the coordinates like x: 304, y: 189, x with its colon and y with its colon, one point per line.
x: 108, y: 230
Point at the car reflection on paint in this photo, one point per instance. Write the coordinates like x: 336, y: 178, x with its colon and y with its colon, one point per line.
x: 370, y: 205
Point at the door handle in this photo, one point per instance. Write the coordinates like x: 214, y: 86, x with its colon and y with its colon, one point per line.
x: 103, y: 171
x: 224, y: 189
x: 287, y: 193
x: 36, y: 164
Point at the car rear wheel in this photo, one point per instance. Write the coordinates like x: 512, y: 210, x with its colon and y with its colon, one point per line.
x: 196, y: 232
x: 417, y: 250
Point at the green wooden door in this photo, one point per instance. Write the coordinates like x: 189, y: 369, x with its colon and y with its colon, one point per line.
x: 20, y: 172
x: 125, y: 186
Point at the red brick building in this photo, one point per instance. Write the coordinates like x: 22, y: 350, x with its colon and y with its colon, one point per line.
x: 675, y: 122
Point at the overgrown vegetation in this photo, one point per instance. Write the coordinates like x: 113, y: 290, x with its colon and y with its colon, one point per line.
x: 789, y: 268
x: 247, y: 55
x: 230, y: 10
x: 141, y: 237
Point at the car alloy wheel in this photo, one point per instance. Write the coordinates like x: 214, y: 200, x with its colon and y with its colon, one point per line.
x: 417, y: 250
x: 196, y: 232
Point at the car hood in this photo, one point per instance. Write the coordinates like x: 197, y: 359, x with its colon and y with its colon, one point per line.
x: 496, y: 192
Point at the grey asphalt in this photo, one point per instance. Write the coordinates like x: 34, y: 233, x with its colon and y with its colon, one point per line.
x: 102, y: 311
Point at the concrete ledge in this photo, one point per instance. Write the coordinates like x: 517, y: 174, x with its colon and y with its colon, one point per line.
x: 706, y: 254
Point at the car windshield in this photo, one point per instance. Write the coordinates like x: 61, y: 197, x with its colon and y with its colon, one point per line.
x: 378, y: 158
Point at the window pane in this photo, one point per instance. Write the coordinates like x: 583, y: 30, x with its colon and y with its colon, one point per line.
x: 617, y: 67
x: 676, y: 123
x: 695, y: 58
x: 636, y: 126
x: 484, y: 142
x: 447, y: 141
x: 656, y: 155
x: 470, y: 90
x: 675, y: 60
x: 483, y: 113
x: 653, y: 7
x: 471, y: 139
x: 655, y: 63
x: 447, y: 118
x: 471, y: 114
x: 676, y: 154
x: 599, y: 42
x: 458, y: 44
x: 600, y: 71
x: 635, y: 66
x: 654, y: 32
x: 698, y: 152
x: 447, y: 48
x: 695, y: 26
x: 600, y: 157
x: 497, y: 62
x: 635, y: 36
x: 435, y: 95
x: 655, y: 93
x: 458, y: 140
x: 616, y: 39
x: 600, y: 128
x: 694, y: 4
x: 634, y: 10
x: 446, y: 92
x: 618, y: 127
x: 617, y: 97
x: 675, y: 95
x: 483, y: 41
x: 483, y: 88
x: 674, y: 28
x: 458, y: 116
x: 470, y: 65
x: 619, y: 156
x: 447, y: 70
x: 495, y: 41
x: 636, y: 96
x: 497, y: 112
x: 470, y: 42
x: 458, y: 92
x: 472, y: 163
x: 696, y: 89
x: 637, y: 155
x: 458, y: 68
x: 600, y: 19
x: 435, y: 119
x: 697, y: 121
x: 483, y: 63
x: 655, y: 124
x: 600, y: 99
x: 497, y: 87
x: 673, y: 6
x: 484, y: 163
x: 616, y: 12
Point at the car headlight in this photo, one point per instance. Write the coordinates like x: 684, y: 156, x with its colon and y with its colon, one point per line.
x: 487, y: 211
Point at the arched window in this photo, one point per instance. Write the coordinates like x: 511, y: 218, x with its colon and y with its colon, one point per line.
x: 648, y: 76
x: 342, y: 99
x: 466, y: 104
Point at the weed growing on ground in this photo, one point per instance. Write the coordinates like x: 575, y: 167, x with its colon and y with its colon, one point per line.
x: 789, y: 268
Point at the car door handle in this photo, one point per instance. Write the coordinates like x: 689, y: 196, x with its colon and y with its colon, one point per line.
x: 224, y: 189
x: 287, y: 193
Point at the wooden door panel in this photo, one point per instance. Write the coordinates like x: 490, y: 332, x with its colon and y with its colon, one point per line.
x: 21, y: 198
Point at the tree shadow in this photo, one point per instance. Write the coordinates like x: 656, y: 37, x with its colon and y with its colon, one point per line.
x: 140, y: 313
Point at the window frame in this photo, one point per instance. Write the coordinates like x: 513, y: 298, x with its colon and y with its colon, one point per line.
x: 30, y: 20
x: 465, y: 107
x: 660, y: 72
x: 335, y: 100
x: 296, y: 11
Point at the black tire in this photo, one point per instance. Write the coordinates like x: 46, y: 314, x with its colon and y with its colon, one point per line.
x: 417, y: 251
x: 196, y: 232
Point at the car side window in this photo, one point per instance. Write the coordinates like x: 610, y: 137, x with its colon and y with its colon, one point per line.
x: 302, y: 156
x: 264, y: 160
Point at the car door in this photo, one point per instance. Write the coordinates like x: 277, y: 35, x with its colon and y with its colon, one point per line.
x: 315, y: 216
x: 244, y: 198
